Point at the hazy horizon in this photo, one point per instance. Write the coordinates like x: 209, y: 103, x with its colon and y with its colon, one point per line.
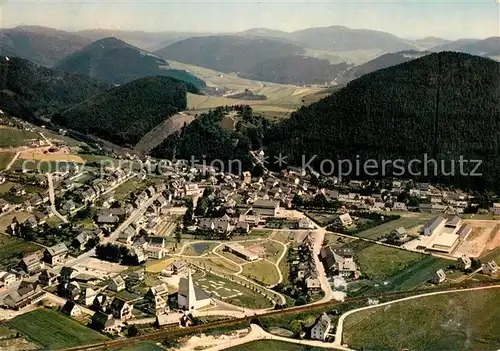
x: 403, y: 18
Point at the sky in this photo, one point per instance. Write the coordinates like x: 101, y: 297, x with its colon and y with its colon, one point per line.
x: 451, y: 19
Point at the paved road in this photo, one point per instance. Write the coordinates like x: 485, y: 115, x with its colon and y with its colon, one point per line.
x: 53, y: 199
x: 340, y: 324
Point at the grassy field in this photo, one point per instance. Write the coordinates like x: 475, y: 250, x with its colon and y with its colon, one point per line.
x: 273, y: 345
x: 273, y: 251
x: 54, y: 330
x: 231, y: 292
x: 140, y: 346
x: 380, y: 262
x: 13, y: 137
x: 261, y: 271
x: 5, y: 158
x: 386, y: 228
x: 390, y: 269
x: 456, y: 321
x: 215, y: 263
x: 6, y: 220
x: 12, y: 250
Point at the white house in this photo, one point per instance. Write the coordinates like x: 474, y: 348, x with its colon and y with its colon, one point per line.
x: 439, y: 277
x: 72, y: 309
x: 464, y: 262
x: 490, y: 268
x: 305, y: 223
x: 344, y: 220
x: 322, y: 327
x: 266, y: 208
x: 495, y: 209
x: 7, y: 279
x: 117, y: 284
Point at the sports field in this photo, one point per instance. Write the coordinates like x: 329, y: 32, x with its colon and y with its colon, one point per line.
x: 54, y: 330
x: 455, y: 321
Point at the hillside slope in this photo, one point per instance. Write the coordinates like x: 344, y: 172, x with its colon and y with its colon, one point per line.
x: 28, y: 90
x: 298, y: 70
x: 227, y: 53
x: 488, y: 47
x: 39, y: 44
x: 381, y: 62
x: 116, y: 62
x: 445, y: 105
x: 124, y: 114
x: 338, y: 38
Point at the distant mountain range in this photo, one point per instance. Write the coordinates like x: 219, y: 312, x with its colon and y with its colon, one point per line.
x: 41, y: 45
x: 489, y: 47
x: 113, y: 61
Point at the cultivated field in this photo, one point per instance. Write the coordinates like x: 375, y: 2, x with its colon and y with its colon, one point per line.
x: 54, y: 330
x: 5, y: 158
x: 51, y: 157
x: 455, y: 321
x: 13, y: 137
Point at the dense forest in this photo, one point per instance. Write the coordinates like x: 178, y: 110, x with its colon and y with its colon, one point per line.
x: 123, y: 115
x: 28, y: 90
x: 445, y: 105
x: 205, y: 139
x: 296, y: 69
x: 116, y: 62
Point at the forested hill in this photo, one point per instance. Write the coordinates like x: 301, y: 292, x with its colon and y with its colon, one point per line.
x: 444, y: 104
x: 123, y: 115
x: 116, y: 62
x: 28, y: 90
x: 228, y: 53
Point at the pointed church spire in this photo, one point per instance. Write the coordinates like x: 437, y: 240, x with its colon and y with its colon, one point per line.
x: 191, y: 298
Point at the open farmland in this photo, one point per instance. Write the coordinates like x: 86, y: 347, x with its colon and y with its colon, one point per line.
x: 54, y: 330
x: 455, y: 321
x: 5, y: 158
x: 13, y: 137
x: 391, y: 269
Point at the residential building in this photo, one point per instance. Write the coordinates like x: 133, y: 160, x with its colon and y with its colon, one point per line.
x: 101, y: 302
x: 127, y: 236
x: 344, y: 220
x: 157, y: 298
x: 27, y: 293
x: 240, y: 251
x: 116, y: 284
x: 400, y: 233
x: 177, y: 267
x: 7, y: 279
x: 31, y: 264
x: 266, y: 208
x: 439, y: 277
x: 67, y: 274
x: 495, y: 209
x: 121, y: 309
x: 190, y: 297
x: 71, y: 309
x: 87, y: 296
x: 321, y: 328
x: 105, y: 323
x: 154, y: 253
x: 464, y: 262
x: 490, y: 268
x: 136, y: 276
x: 56, y: 254
x: 48, y: 277
x: 339, y: 262
x: 305, y: 223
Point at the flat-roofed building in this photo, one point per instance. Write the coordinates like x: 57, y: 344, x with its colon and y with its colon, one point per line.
x: 266, y: 208
x: 241, y: 251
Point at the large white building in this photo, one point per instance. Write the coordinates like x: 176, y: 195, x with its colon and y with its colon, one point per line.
x: 241, y: 251
x: 190, y: 297
x: 266, y: 208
